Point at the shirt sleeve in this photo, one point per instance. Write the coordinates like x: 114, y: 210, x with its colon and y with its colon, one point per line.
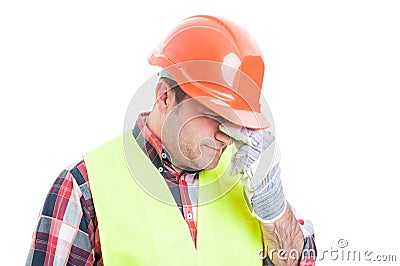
x: 65, y: 233
x: 309, y: 253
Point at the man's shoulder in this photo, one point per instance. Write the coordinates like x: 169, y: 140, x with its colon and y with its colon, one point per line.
x: 73, y: 184
x: 74, y: 178
x: 76, y: 171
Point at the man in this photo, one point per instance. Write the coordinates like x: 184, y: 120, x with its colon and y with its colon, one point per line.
x: 123, y: 203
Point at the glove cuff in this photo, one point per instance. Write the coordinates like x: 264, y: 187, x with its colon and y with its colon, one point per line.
x: 268, y: 200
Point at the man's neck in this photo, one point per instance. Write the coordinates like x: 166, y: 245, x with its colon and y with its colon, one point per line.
x: 153, y: 123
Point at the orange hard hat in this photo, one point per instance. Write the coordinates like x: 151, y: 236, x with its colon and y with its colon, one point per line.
x: 219, y: 64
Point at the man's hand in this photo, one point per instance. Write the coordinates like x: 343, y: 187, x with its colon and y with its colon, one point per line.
x: 263, y: 188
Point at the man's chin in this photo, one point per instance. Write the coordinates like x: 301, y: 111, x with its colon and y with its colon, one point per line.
x: 211, y: 165
x: 210, y: 162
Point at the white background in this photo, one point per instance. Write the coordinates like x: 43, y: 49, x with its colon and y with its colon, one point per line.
x: 69, y: 70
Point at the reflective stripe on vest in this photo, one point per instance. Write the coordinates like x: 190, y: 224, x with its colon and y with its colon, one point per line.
x: 137, y: 229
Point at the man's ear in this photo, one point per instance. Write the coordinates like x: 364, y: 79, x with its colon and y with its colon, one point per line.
x: 164, y: 96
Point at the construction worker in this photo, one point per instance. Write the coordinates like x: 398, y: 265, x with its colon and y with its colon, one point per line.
x: 195, y: 181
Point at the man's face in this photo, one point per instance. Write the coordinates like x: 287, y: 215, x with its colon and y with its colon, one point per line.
x: 191, y: 135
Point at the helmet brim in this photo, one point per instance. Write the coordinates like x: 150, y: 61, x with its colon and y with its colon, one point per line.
x: 247, y: 118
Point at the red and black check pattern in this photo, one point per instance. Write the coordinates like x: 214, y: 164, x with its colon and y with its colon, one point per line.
x: 67, y: 232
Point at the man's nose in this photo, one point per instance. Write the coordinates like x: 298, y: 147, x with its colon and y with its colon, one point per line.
x: 224, y: 138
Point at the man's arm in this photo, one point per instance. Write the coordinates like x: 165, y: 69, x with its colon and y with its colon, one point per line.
x: 286, y: 238
x: 65, y: 231
x: 283, y: 239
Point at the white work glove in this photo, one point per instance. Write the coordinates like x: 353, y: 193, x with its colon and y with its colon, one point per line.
x: 257, y: 161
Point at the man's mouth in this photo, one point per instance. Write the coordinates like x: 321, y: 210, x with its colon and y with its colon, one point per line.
x: 218, y: 150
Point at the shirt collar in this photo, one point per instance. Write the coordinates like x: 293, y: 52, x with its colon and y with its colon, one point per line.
x: 144, y: 135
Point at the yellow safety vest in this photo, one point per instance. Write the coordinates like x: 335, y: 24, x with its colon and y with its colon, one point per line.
x: 138, y: 229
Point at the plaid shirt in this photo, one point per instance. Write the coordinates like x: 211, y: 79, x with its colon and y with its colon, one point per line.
x: 67, y: 232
